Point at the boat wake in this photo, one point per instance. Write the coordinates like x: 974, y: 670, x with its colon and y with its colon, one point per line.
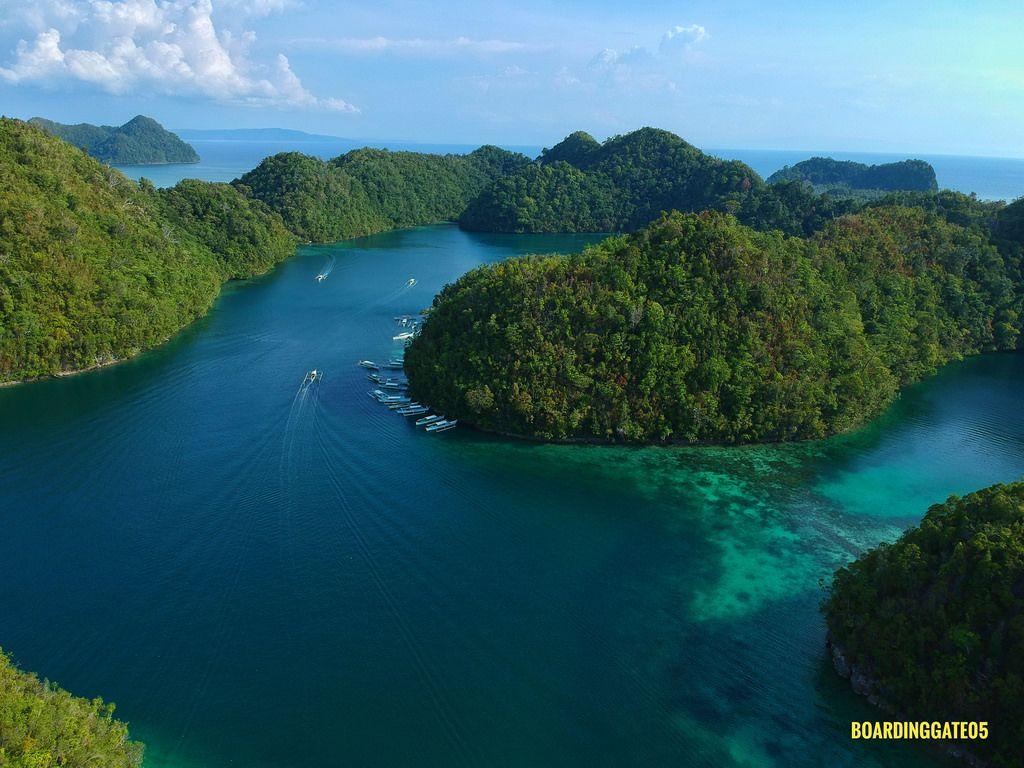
x: 326, y: 270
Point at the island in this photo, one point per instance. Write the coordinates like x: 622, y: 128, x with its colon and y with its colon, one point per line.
x: 931, y: 626
x: 140, y: 141
x: 699, y: 329
x: 95, y: 268
x: 43, y: 725
x: 825, y: 173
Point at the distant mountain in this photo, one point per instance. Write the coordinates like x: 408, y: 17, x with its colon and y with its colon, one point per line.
x: 253, y: 134
x: 906, y: 175
x: 140, y: 141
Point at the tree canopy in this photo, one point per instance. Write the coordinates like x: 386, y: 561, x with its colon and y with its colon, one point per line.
x: 699, y: 328
x: 95, y: 268
x: 935, y: 620
x: 140, y: 141
x: 824, y: 172
x: 42, y: 725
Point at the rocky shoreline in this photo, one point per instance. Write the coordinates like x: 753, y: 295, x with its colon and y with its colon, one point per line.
x: 863, y: 684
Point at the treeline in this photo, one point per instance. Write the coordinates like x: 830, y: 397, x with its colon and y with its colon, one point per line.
x: 699, y: 328
x: 140, y: 141
x: 933, y: 624
x: 95, y: 268
x: 372, y: 190
x: 580, y: 185
x: 42, y: 725
x: 825, y: 172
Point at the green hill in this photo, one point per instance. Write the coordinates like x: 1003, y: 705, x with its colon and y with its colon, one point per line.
x: 140, y: 141
x: 372, y: 190
x: 621, y: 185
x: 95, y: 268
x: 698, y: 328
x: 42, y: 725
x: 933, y: 624
x: 825, y: 173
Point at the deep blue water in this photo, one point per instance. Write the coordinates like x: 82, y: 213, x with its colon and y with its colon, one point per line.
x: 223, y: 160
x: 262, y: 574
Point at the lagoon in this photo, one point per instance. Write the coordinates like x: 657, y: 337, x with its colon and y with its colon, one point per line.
x: 265, y: 575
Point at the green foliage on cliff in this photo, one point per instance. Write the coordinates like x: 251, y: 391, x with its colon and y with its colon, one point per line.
x: 372, y: 190
x: 42, y: 726
x: 246, y: 237
x: 911, y: 175
x: 621, y: 185
x: 140, y: 141
x: 701, y: 329
x: 95, y: 268
x: 936, y: 619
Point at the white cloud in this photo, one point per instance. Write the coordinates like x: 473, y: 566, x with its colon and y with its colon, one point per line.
x: 682, y: 39
x: 142, y: 46
x: 414, y: 45
x: 640, y: 68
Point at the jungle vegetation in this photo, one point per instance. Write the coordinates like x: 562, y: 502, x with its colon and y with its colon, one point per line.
x: 42, y: 725
x: 372, y: 190
x: 95, y: 268
x: 699, y: 328
x: 825, y: 172
x: 935, y: 620
x: 140, y: 141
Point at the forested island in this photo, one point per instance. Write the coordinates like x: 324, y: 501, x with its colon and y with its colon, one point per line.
x: 140, y: 141
x: 580, y: 185
x: 43, y: 725
x: 701, y: 329
x: 95, y: 268
x: 372, y: 190
x: 931, y: 626
x: 824, y: 173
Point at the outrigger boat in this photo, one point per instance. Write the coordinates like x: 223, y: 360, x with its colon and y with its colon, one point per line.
x: 413, y: 409
x: 369, y: 364
x: 442, y: 426
x: 428, y: 420
x: 376, y: 378
x: 411, y: 282
x: 312, y: 376
x: 321, y: 277
x: 392, y: 384
x: 403, y: 336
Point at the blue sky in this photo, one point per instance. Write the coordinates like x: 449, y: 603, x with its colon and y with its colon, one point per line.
x: 929, y: 77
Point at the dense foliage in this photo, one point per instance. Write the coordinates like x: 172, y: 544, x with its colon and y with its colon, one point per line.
x: 246, y: 237
x: 140, y: 141
x: 372, y: 190
x: 936, y: 619
x: 95, y: 268
x: 621, y: 185
x: 701, y: 329
x: 42, y: 725
x: 909, y: 175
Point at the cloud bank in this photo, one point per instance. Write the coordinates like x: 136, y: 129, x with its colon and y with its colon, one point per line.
x: 142, y: 46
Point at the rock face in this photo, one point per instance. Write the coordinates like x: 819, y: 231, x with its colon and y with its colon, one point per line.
x: 864, y: 685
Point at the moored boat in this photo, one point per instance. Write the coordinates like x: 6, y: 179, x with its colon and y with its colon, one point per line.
x: 443, y: 425
x: 428, y: 420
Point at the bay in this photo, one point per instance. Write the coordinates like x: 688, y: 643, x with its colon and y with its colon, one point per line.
x: 263, y: 574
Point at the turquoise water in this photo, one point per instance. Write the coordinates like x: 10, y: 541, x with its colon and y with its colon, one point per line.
x: 991, y: 178
x: 263, y: 575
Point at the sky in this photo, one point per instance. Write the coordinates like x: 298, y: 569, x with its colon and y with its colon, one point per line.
x: 930, y: 77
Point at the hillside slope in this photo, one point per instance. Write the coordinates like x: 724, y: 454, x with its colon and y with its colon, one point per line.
x: 95, y: 268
